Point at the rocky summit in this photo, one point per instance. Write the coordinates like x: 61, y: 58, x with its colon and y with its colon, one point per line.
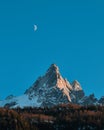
x: 49, y: 90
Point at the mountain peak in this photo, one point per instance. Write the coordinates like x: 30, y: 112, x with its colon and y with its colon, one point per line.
x: 53, y: 68
x: 76, y: 85
x: 53, y: 72
x: 49, y: 90
x: 76, y: 82
x: 51, y: 86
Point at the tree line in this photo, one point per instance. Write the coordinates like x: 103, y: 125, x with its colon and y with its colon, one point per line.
x: 60, y: 117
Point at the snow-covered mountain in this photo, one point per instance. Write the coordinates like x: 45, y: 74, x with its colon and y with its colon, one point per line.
x: 48, y: 90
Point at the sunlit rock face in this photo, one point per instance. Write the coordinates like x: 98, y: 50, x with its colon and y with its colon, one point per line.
x: 77, y: 91
x: 49, y: 90
x: 53, y: 89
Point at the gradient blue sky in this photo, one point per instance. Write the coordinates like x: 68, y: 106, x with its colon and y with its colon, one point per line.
x: 70, y: 34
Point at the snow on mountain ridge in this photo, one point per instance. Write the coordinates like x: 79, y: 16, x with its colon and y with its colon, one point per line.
x: 49, y: 90
x: 52, y: 82
x: 76, y: 85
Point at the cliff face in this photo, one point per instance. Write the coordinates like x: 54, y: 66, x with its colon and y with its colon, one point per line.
x: 53, y: 89
x: 49, y: 90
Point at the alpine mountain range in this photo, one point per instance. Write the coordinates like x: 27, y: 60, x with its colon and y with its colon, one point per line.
x: 49, y: 90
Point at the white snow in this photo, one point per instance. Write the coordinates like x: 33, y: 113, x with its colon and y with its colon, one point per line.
x: 22, y: 101
x: 76, y: 86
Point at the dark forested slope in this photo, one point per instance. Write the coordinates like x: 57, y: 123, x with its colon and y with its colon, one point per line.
x: 61, y: 117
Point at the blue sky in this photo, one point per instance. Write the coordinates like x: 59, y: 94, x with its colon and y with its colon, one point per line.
x: 70, y: 34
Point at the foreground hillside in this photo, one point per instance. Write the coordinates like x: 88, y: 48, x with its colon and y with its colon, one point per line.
x: 61, y: 117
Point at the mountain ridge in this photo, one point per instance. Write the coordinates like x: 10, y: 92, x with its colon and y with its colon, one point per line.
x: 49, y: 90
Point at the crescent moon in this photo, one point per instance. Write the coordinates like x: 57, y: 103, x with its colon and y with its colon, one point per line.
x: 35, y: 27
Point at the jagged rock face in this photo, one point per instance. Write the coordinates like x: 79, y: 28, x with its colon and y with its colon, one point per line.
x: 101, y: 100
x: 89, y: 100
x: 77, y: 91
x: 51, y: 88
x: 76, y: 86
x: 9, y: 97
